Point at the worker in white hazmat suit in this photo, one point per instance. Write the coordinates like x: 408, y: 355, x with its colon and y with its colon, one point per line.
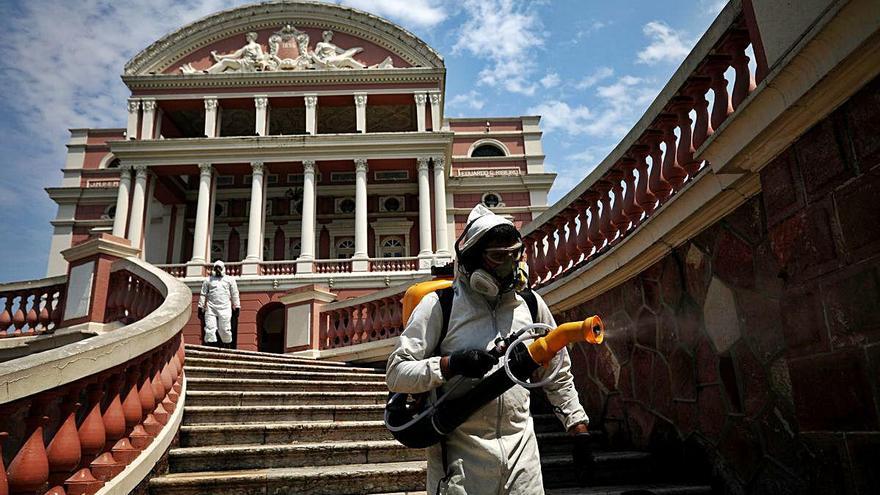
x: 495, y: 451
x: 218, y: 301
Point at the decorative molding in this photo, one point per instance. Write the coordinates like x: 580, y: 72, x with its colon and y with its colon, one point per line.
x: 492, y: 142
x: 257, y: 168
x: 311, y: 101
x: 133, y: 105
x: 205, y: 169
x: 309, y: 166
x: 210, y: 103
x: 435, y: 98
x: 360, y: 100
x: 149, y: 105
x: 423, y: 163
x: 261, y: 102
x: 420, y: 98
x: 360, y: 165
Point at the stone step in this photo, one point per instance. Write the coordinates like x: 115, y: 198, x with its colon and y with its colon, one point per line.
x: 193, y: 415
x: 217, y: 458
x: 546, y: 423
x: 322, y: 480
x: 257, y: 385
x: 233, y: 362
x: 281, y: 433
x: 605, y: 467
x: 205, y: 351
x: 560, y: 442
x: 648, y: 489
x: 205, y: 372
x: 220, y: 398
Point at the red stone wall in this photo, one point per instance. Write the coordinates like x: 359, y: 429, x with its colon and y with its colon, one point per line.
x: 785, y: 397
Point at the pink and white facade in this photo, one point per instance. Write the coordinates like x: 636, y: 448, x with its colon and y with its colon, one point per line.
x: 304, y: 144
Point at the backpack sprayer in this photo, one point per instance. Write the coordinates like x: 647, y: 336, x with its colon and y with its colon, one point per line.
x: 417, y: 424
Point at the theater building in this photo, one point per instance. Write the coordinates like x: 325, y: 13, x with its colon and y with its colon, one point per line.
x: 305, y: 145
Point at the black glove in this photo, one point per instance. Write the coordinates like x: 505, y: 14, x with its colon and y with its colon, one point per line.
x: 235, y: 312
x: 472, y: 363
x: 201, y: 314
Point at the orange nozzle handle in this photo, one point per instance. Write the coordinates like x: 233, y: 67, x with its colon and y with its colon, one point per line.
x: 591, y: 330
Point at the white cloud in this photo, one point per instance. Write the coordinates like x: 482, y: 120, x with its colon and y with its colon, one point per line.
x: 471, y: 100
x: 598, y: 75
x: 551, y: 80
x: 420, y: 13
x: 667, y: 45
x: 505, y: 33
x: 559, y: 116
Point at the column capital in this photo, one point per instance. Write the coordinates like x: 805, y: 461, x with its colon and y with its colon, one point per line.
x: 205, y: 169
x: 360, y: 99
x: 360, y: 164
x: 125, y: 168
x: 423, y: 162
x: 309, y: 166
x: 311, y: 101
x: 210, y: 103
x: 439, y: 162
x: 420, y: 98
x: 149, y: 105
x: 140, y: 170
x: 261, y: 102
x: 435, y: 98
x: 133, y: 105
x: 257, y: 168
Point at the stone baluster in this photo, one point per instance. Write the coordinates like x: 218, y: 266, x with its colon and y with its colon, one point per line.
x: 605, y: 228
x: 737, y: 43
x: 631, y: 209
x: 619, y: 221
x: 550, y: 260
x: 657, y: 185
x: 529, y: 249
x: 148, y: 400
x: 64, y: 451
x: 681, y: 106
x: 158, y: 389
x: 696, y: 88
x: 593, y: 197
x: 4, y: 482
x: 584, y: 245
x: 125, y: 450
x: 717, y: 65
x: 5, y: 316
x: 572, y: 245
x: 540, y: 256
x: 28, y: 471
x: 91, y: 437
x: 562, y: 257
x: 106, y: 466
x: 671, y: 171
x: 19, y: 319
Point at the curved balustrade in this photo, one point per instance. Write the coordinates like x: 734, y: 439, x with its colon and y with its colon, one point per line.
x: 176, y: 270
x: 74, y: 417
x: 394, y: 264
x: 652, y: 163
x: 31, y: 308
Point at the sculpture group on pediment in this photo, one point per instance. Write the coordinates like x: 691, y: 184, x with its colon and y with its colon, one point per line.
x: 288, y: 50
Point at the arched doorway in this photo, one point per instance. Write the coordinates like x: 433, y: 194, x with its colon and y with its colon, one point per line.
x: 270, y: 328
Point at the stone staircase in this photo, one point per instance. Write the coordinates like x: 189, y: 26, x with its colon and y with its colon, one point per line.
x: 257, y: 423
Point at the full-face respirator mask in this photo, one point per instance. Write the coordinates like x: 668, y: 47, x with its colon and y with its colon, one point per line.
x: 491, y: 270
x: 503, y: 277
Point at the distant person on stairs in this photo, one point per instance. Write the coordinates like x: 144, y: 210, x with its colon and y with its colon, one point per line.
x: 218, y: 302
x: 495, y: 451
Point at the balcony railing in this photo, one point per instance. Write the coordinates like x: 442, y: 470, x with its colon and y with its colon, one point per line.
x: 80, y: 415
x: 31, y: 308
x: 292, y: 267
x: 402, y: 264
x: 653, y: 162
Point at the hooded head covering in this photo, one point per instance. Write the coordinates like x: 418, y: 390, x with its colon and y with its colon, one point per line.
x: 480, y: 221
x: 219, y: 263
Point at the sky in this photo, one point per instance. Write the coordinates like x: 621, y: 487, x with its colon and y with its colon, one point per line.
x: 590, y: 68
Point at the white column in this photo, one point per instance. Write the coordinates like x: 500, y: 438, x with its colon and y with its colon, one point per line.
x: 424, y: 209
x: 211, y: 116
x: 360, y: 106
x: 440, y: 206
x: 203, y: 211
x: 138, y: 206
x: 255, y: 217
x: 420, y: 98
x: 360, y: 215
x: 311, y: 114
x: 262, y: 104
x: 307, y: 221
x: 148, y: 123
x: 121, y: 218
x: 435, y: 111
x: 131, y: 129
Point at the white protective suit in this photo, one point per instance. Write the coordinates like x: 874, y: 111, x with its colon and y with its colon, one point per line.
x: 495, y: 451
x: 219, y: 295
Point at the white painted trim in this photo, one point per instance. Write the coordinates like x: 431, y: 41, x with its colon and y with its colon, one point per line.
x: 493, y: 142
x: 143, y: 464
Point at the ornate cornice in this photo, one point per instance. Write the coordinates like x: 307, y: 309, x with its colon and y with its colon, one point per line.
x: 159, y: 56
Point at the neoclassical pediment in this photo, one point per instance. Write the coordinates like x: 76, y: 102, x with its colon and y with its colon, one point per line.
x: 285, y: 36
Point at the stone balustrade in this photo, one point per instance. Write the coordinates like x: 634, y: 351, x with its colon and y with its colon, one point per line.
x: 275, y: 268
x: 31, y: 308
x: 99, y: 412
x: 361, y: 320
x: 332, y: 266
x: 401, y: 264
x: 653, y: 162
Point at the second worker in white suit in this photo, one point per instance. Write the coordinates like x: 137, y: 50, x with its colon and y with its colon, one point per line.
x: 218, y: 301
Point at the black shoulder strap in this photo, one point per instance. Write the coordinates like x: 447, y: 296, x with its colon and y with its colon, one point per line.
x: 532, y: 302
x: 445, y: 296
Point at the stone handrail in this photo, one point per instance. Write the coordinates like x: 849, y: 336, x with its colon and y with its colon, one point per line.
x: 376, y: 316
x: 32, y: 307
x: 128, y: 383
x: 624, y: 189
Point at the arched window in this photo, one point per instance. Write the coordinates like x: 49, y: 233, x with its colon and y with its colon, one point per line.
x: 109, y: 213
x: 487, y: 150
x: 345, y: 249
x: 114, y: 163
x: 392, y: 247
